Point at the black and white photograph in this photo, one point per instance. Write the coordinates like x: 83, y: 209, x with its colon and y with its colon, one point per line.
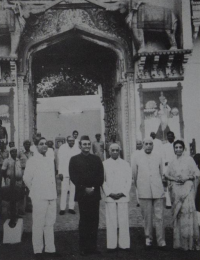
x: 99, y: 129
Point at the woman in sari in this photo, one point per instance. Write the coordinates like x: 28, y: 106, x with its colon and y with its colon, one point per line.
x: 182, y: 174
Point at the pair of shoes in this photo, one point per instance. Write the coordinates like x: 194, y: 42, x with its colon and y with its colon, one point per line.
x: 38, y: 256
x: 111, y: 250
x: 148, y: 247
x: 125, y: 249
x: 62, y: 212
x: 168, y: 207
x: 54, y: 254
x: 162, y: 248
x: 71, y: 211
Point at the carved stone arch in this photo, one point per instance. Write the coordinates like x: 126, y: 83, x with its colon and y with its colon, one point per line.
x: 93, y: 24
x: 104, y: 32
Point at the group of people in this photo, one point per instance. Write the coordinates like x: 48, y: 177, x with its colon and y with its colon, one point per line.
x: 85, y: 174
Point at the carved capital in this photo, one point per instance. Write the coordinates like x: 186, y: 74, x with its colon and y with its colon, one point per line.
x: 162, y: 65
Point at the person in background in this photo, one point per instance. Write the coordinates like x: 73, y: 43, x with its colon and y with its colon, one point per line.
x: 117, y: 185
x: 11, y: 144
x: 66, y: 151
x: 3, y: 155
x: 39, y: 177
x: 75, y: 135
x: 157, y: 144
x: 168, y: 156
x: 139, y: 145
x: 3, y: 133
x: 23, y: 157
x: 182, y: 174
x: 13, y: 190
x: 86, y: 172
x: 36, y: 137
x: 98, y: 147
x: 147, y: 174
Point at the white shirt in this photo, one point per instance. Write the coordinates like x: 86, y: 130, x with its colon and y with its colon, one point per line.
x: 76, y: 144
x: 168, y: 152
x: 64, y: 155
x: 147, y: 174
x: 157, y: 146
x: 39, y: 177
x: 117, y: 179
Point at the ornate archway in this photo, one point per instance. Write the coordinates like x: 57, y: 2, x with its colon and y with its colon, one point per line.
x: 94, y: 25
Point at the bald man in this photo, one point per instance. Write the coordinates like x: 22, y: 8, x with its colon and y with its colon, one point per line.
x: 147, y: 174
x: 117, y: 185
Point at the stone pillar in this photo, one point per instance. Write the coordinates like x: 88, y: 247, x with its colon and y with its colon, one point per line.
x: 21, y: 111
x: 26, y: 111
x: 125, y: 120
x: 186, y: 24
x: 132, y: 111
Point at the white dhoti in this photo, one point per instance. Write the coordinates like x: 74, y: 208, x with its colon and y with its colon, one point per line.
x: 148, y: 207
x: 67, y: 185
x: 117, y: 214
x: 44, y: 217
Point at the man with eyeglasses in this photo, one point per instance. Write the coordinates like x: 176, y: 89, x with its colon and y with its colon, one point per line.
x: 117, y: 185
x: 86, y: 172
x: 39, y: 177
x: 147, y: 174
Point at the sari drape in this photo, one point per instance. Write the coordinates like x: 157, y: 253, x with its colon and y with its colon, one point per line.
x: 184, y: 215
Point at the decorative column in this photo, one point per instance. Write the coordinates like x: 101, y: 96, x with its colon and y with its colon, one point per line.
x: 125, y: 120
x: 26, y: 111
x: 132, y: 112
x: 21, y: 109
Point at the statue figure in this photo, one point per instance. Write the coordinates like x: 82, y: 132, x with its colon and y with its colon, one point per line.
x: 144, y: 17
x: 14, y: 16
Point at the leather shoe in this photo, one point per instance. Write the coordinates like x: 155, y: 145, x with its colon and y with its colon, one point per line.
x: 162, y: 248
x: 54, y: 254
x: 62, y: 212
x: 111, y: 250
x: 38, y: 256
x: 71, y: 211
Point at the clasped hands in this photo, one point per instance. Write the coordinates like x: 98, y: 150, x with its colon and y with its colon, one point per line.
x: 116, y: 196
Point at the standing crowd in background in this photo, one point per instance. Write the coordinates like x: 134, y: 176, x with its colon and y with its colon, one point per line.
x: 164, y: 175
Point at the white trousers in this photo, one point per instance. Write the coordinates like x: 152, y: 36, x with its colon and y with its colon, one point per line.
x: 67, y: 185
x: 117, y: 214
x: 44, y: 218
x: 148, y: 207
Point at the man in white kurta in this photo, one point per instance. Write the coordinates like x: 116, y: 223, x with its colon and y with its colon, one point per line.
x: 147, y: 174
x: 117, y: 185
x: 65, y: 152
x: 39, y: 177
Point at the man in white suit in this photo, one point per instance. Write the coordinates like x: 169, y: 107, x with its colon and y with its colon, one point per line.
x: 147, y: 174
x: 117, y: 185
x: 65, y: 152
x: 39, y: 177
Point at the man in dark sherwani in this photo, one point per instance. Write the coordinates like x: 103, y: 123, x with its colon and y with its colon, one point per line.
x: 86, y: 172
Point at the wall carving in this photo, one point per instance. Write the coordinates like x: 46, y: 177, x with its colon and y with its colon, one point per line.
x: 55, y: 22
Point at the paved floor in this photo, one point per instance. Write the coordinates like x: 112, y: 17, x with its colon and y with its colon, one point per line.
x: 70, y: 222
